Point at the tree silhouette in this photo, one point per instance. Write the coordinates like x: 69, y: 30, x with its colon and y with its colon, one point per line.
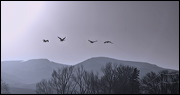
x: 44, y: 87
x: 79, y: 79
x: 92, y: 83
x: 118, y: 79
x: 107, y: 79
x: 62, y: 80
x: 134, y: 81
x: 4, y: 88
x: 164, y: 82
x: 87, y: 82
x: 115, y: 79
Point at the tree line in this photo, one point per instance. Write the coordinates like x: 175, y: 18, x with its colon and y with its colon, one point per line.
x: 116, y: 79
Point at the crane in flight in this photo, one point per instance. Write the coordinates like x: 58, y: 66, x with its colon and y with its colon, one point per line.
x: 92, y: 41
x: 108, y: 42
x: 45, y: 40
x: 62, y: 39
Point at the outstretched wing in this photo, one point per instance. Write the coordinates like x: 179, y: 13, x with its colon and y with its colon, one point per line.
x: 59, y: 38
x: 64, y: 38
x: 108, y: 42
x: 90, y: 41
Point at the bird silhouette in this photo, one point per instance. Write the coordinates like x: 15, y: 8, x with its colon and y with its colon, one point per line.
x: 62, y: 39
x: 92, y: 41
x: 45, y: 40
x: 108, y: 42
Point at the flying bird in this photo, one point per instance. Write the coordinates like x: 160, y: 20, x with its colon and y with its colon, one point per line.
x: 45, y: 40
x: 62, y: 39
x: 92, y: 41
x: 108, y: 42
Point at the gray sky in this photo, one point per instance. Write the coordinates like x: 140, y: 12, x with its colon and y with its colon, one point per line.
x: 141, y: 31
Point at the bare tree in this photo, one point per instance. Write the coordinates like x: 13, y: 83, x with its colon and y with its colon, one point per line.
x: 164, y: 82
x: 60, y: 83
x: 4, y: 88
x: 62, y: 80
x: 134, y: 82
x: 92, y: 83
x: 123, y: 80
x: 169, y: 82
x: 118, y: 79
x: 44, y: 87
x: 107, y: 79
x: 87, y: 82
x: 78, y: 78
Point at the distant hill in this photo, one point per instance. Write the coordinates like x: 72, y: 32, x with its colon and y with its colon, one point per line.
x: 96, y: 63
x: 25, y: 74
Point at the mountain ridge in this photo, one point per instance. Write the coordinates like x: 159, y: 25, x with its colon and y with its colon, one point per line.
x: 27, y: 73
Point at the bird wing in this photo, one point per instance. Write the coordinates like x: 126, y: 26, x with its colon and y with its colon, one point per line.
x: 59, y: 38
x: 64, y: 38
x: 44, y: 40
x: 109, y: 42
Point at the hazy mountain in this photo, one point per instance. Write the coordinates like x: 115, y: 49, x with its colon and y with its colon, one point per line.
x: 27, y: 72
x: 96, y: 63
x: 23, y: 75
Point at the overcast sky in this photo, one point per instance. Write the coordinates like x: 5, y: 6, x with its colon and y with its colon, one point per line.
x: 141, y: 31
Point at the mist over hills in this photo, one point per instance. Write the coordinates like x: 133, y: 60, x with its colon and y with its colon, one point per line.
x: 25, y: 74
x: 95, y: 64
x: 28, y: 72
